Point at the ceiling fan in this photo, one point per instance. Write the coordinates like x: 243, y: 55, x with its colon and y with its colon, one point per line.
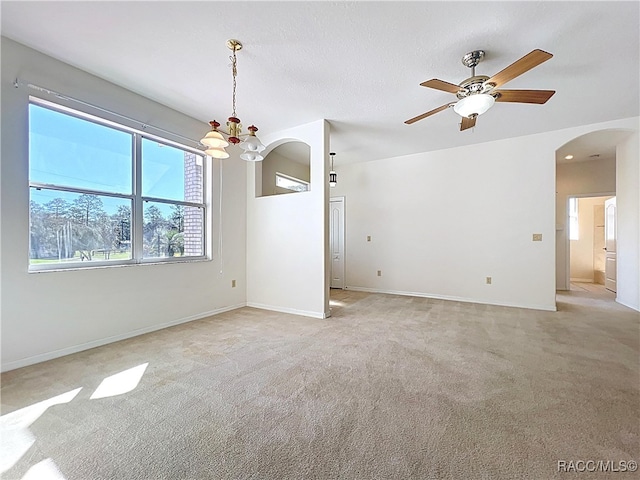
x: 478, y: 93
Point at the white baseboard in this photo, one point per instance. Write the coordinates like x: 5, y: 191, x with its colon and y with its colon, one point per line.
x: 582, y: 280
x: 43, y: 357
x: 628, y: 305
x: 548, y: 308
x: 275, y: 308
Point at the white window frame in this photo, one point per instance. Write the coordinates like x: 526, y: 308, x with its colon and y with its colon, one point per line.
x: 292, y: 179
x: 136, y: 198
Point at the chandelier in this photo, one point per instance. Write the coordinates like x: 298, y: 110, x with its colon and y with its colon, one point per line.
x: 215, y: 141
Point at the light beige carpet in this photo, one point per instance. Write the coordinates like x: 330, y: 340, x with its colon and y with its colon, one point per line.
x: 390, y: 387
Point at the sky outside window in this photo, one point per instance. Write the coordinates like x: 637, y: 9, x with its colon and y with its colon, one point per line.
x: 162, y: 171
x: 65, y: 150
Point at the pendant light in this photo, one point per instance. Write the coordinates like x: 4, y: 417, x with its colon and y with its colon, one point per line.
x: 215, y: 140
x: 333, y: 176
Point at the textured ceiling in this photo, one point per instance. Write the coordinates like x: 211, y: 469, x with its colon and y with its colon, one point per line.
x: 356, y: 64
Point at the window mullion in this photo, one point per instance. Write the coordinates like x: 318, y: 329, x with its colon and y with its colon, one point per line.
x: 138, y: 214
x: 88, y: 191
x: 173, y: 202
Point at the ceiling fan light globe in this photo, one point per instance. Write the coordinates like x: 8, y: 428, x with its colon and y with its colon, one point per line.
x: 214, y: 139
x: 474, y: 105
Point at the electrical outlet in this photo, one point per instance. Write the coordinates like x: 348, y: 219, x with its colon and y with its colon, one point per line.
x: 488, y: 280
x: 368, y: 238
x: 537, y: 237
x: 233, y: 284
x: 379, y: 273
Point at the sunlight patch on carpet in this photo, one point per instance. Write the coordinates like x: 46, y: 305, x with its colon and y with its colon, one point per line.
x: 44, y: 470
x: 15, y: 436
x: 120, y: 383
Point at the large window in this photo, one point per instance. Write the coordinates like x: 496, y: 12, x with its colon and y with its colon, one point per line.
x: 102, y: 194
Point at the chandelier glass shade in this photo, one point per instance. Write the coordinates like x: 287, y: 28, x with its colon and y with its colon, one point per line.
x: 214, y: 138
x: 252, y: 146
x: 216, y: 141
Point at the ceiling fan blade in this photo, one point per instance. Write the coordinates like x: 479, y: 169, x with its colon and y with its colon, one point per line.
x: 524, y: 96
x: 517, y: 68
x: 467, y: 123
x: 441, y: 85
x: 425, y: 115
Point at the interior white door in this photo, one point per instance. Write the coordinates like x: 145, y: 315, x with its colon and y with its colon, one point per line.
x: 610, y: 276
x: 336, y: 241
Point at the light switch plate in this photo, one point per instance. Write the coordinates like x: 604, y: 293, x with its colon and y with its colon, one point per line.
x: 537, y: 237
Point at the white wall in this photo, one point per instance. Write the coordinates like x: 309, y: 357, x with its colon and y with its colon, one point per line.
x: 442, y: 221
x: 583, y: 253
x: 628, y: 221
x: 45, y: 315
x: 594, y: 177
x: 287, y: 235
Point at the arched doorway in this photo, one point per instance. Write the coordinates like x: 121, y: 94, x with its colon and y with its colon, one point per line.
x: 585, y: 176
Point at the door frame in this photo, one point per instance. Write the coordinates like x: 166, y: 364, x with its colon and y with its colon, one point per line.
x: 611, y: 201
x: 342, y: 199
x: 567, y: 241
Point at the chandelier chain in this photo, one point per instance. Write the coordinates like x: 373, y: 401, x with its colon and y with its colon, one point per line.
x: 235, y: 72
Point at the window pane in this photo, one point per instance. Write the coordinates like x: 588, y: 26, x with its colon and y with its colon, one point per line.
x: 172, y: 230
x: 291, y: 183
x: 68, y: 227
x: 574, y: 227
x: 170, y: 173
x: 69, y: 151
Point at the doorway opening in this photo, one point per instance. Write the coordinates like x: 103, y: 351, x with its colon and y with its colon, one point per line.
x: 337, y: 242
x: 586, y: 167
x: 592, y: 242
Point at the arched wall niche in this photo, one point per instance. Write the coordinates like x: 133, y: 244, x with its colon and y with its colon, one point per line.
x: 286, y: 169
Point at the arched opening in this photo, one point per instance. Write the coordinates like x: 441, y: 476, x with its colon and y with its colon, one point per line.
x: 285, y: 169
x: 585, y: 185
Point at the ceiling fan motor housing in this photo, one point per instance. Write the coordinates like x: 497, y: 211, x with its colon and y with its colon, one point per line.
x: 473, y: 85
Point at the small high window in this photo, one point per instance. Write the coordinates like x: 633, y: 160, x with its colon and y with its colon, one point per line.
x: 291, y: 183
